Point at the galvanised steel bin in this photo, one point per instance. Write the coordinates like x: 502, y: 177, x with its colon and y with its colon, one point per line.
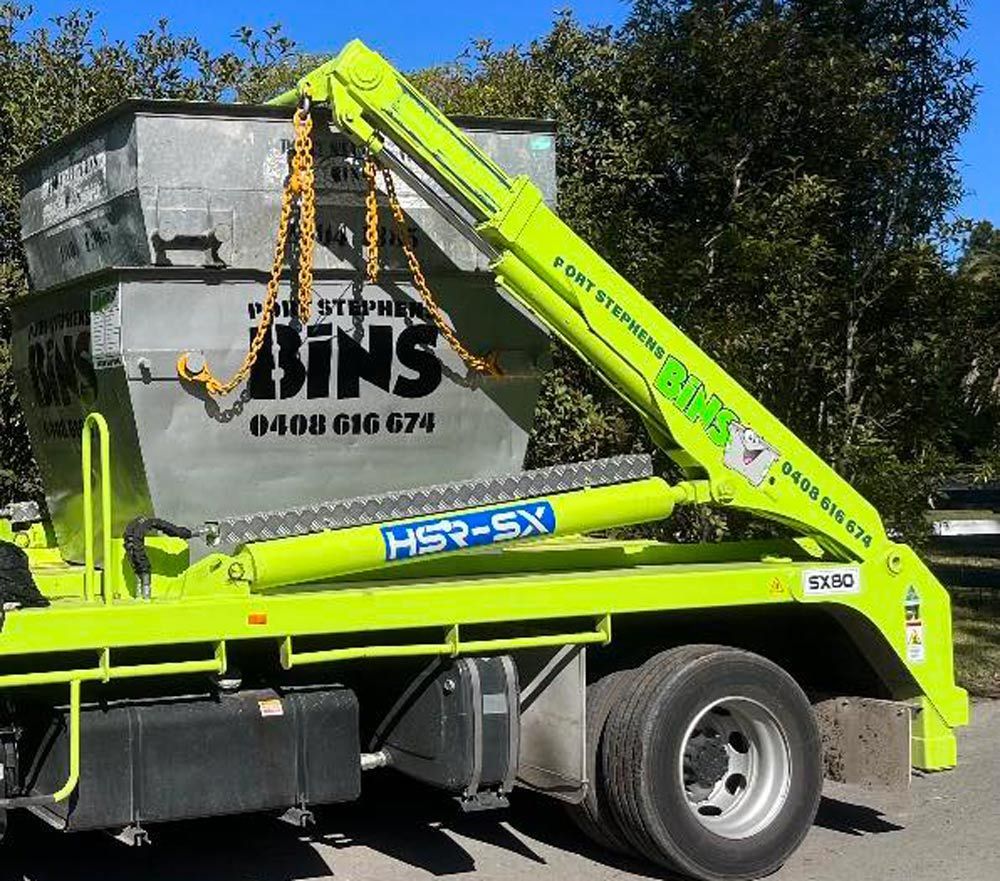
x: 149, y: 233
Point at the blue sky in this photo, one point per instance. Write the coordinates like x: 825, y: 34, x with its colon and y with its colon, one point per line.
x: 980, y: 168
x: 415, y: 33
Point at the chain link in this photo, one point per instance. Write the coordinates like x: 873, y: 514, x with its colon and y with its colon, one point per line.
x: 304, y: 183
x: 371, y: 219
x: 299, y: 191
x: 485, y: 365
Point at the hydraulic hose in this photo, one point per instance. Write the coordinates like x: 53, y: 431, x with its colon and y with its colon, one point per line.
x: 135, y: 547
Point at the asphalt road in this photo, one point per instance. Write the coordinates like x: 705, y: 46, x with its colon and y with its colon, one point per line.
x: 947, y: 828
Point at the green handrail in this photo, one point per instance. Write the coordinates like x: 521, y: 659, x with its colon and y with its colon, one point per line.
x: 106, y: 671
x: 73, y: 778
x: 95, y: 421
x: 74, y: 744
x: 451, y: 646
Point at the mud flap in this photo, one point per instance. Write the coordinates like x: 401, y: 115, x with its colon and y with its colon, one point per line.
x: 553, y: 727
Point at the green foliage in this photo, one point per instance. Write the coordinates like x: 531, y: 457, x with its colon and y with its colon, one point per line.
x: 773, y: 176
x: 979, y: 278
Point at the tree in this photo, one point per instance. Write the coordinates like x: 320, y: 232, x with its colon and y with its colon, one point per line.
x: 979, y: 276
x: 773, y: 176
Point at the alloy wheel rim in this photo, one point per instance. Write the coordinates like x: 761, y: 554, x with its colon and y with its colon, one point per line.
x: 735, y: 767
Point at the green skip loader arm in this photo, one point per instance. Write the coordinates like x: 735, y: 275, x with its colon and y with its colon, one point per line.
x: 715, y: 430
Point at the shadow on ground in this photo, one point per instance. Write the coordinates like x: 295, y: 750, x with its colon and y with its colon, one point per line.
x: 419, y: 828
x: 852, y: 819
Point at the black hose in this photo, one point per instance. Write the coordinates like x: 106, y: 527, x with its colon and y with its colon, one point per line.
x: 16, y: 582
x: 135, y: 546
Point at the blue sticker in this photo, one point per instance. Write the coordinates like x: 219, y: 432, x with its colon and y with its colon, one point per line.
x: 456, y: 531
x: 541, y: 143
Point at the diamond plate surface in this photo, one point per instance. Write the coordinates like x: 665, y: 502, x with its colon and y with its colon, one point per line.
x: 428, y: 500
x: 21, y: 512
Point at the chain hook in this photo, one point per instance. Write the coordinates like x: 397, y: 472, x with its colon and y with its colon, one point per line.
x: 299, y: 193
x: 305, y: 98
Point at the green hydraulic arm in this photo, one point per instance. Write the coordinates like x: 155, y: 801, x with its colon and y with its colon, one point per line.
x: 732, y: 451
x: 709, y: 424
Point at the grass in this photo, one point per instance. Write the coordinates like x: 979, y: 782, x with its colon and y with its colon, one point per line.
x: 977, y: 647
x: 975, y: 618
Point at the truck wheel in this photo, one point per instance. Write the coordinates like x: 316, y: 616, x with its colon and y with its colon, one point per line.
x: 593, y: 815
x: 712, y: 763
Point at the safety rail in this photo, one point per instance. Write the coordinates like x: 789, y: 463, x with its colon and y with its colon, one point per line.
x: 452, y: 646
x: 103, y: 672
x: 73, y: 778
x: 95, y: 421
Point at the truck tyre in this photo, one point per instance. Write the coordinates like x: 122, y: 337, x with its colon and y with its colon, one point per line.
x: 712, y: 763
x: 593, y: 816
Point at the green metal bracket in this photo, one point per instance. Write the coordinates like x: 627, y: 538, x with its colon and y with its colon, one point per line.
x: 934, y: 744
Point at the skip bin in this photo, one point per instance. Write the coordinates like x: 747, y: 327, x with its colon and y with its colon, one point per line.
x: 177, y: 183
x: 149, y: 233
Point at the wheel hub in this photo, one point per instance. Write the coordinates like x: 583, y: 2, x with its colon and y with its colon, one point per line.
x: 736, y: 767
x: 707, y: 761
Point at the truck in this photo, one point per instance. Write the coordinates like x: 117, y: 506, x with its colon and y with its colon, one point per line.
x: 168, y: 650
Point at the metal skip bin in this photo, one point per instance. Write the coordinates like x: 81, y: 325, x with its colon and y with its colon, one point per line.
x: 175, y: 183
x: 369, y: 397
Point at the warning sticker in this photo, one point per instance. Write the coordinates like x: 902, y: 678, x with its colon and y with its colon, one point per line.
x: 105, y: 328
x: 73, y: 186
x: 914, y: 627
x: 915, y: 642
x: 271, y: 707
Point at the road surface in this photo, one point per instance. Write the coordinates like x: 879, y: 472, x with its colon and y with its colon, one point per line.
x: 947, y: 828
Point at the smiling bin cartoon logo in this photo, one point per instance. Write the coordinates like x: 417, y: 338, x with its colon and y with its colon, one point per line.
x: 749, y: 454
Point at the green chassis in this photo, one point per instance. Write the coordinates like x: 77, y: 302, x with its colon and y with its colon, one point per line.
x: 214, y: 602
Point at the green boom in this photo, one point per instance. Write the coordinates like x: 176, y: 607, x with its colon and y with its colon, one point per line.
x: 691, y: 405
